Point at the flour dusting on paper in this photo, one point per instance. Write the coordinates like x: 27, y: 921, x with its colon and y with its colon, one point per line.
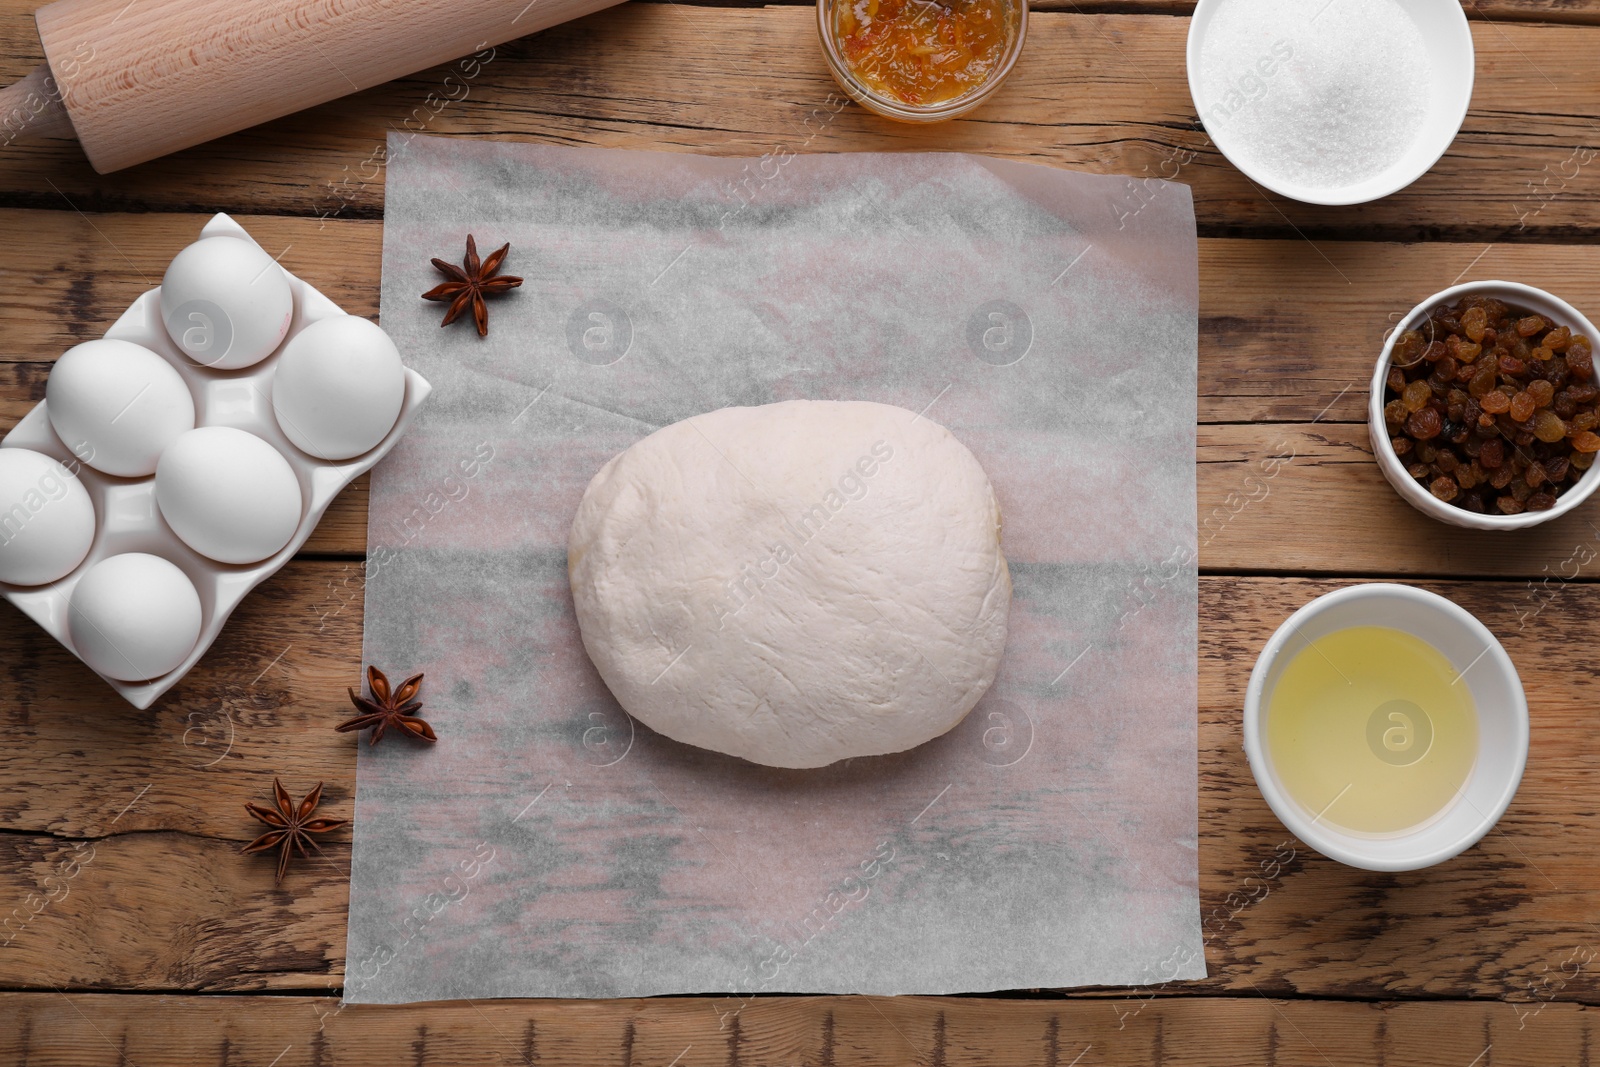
x: 549, y: 846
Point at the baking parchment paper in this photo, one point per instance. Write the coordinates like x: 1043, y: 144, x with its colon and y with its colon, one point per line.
x: 549, y: 846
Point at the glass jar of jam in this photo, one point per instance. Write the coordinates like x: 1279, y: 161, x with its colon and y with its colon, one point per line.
x: 921, y: 60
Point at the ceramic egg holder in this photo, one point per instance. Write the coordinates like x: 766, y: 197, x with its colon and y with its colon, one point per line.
x: 126, y: 516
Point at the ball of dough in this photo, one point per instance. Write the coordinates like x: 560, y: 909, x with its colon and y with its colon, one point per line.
x: 794, y: 584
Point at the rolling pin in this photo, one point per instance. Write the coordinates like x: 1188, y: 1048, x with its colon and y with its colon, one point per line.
x: 136, y: 79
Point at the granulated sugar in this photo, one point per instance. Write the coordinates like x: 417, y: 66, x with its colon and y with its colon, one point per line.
x: 1320, y: 93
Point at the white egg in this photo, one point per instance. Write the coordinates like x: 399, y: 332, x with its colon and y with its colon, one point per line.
x: 134, y: 616
x: 228, y: 494
x: 117, y: 405
x: 338, y: 387
x: 46, y: 518
x: 226, y: 303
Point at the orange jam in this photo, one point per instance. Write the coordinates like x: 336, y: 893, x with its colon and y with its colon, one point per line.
x: 923, y: 52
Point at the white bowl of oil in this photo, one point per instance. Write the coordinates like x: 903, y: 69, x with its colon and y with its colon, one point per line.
x: 1386, y: 727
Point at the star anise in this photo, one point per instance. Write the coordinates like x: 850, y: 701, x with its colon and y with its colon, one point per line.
x: 292, y: 826
x: 470, y: 283
x: 387, y: 709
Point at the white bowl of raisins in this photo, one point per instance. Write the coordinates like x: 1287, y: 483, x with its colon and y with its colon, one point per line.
x: 1485, y: 407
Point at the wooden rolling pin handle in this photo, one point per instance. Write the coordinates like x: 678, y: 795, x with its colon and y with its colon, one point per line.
x: 32, y: 108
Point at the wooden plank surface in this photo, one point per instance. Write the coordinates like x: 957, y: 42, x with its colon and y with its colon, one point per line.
x: 1289, y: 331
x: 87, y: 1030
x: 119, y: 830
x: 1279, y: 380
x: 1103, y: 92
x: 125, y: 826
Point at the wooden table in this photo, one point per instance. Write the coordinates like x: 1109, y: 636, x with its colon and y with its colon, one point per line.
x: 136, y: 933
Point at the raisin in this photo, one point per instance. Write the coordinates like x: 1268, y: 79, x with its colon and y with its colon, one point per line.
x: 1521, y: 490
x: 1582, y: 460
x: 1446, y: 461
x: 1512, y: 365
x: 1424, y: 424
x: 1471, y: 502
x: 1534, y: 475
x: 1493, y: 454
x: 1580, y: 363
x: 1509, y: 506
x: 1482, y: 382
x: 1563, y: 404
x: 1557, y: 339
x: 1531, y: 325
x: 1541, y: 502
x: 1419, y: 471
x: 1401, y: 445
x: 1394, y: 412
x: 1407, y: 349
x: 1522, y: 406
x: 1474, y: 322
x: 1548, y: 427
x: 1557, y: 467
x: 1585, y: 441
x: 1502, y: 477
x: 1435, y: 351
x: 1542, y: 392
x: 1495, y: 402
x: 1444, y: 487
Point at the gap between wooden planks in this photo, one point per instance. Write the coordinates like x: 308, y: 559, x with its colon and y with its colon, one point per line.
x: 1103, y: 92
x: 821, y: 1031
x: 144, y: 812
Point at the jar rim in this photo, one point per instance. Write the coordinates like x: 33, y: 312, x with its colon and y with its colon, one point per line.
x: 888, y: 106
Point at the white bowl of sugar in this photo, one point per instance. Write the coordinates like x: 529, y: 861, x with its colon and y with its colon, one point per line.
x: 1331, y: 101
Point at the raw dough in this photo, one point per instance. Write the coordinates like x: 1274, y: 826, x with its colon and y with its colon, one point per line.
x: 794, y: 584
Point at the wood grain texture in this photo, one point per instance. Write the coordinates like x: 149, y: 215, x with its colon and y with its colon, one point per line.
x: 1106, y: 93
x: 1289, y: 332
x: 86, y: 1030
x: 119, y: 830
x: 1279, y: 379
x: 124, y: 827
x: 1572, y: 12
x: 1310, y: 499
